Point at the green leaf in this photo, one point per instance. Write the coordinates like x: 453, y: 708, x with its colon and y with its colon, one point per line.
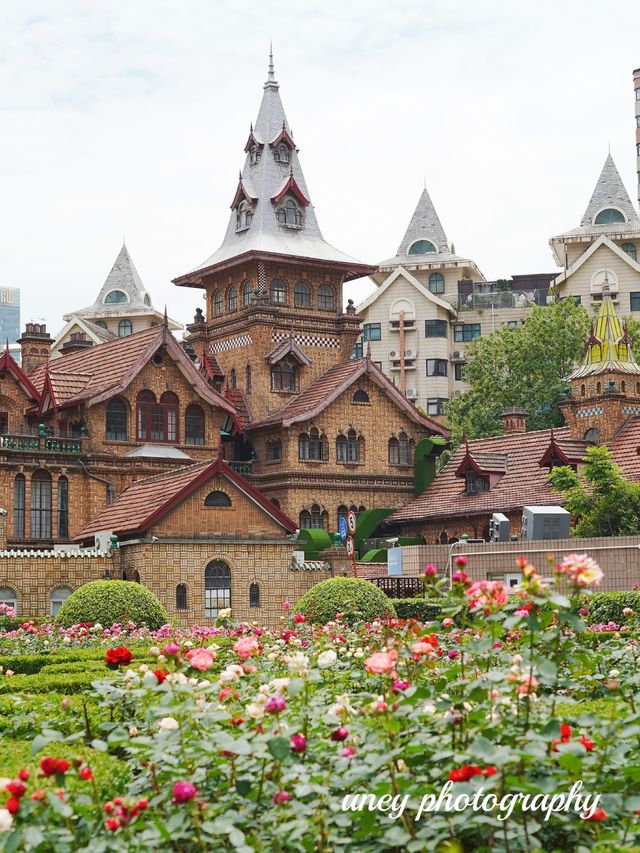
x: 39, y: 742
x: 279, y: 747
x: 295, y: 686
x: 243, y: 786
x: 100, y: 745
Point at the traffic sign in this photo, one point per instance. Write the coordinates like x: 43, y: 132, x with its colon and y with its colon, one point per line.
x: 342, y: 527
x: 350, y: 547
x: 351, y: 522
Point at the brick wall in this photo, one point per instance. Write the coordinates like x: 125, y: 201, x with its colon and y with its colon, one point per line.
x: 592, y: 405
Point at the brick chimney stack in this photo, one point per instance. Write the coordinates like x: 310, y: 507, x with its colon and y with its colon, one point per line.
x: 514, y: 420
x: 77, y: 342
x: 636, y: 86
x: 35, y: 346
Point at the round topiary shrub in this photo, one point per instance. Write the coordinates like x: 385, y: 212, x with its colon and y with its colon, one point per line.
x: 108, y: 602
x: 357, y: 600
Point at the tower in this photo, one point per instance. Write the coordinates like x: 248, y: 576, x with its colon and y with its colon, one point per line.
x: 636, y: 86
x: 274, y: 320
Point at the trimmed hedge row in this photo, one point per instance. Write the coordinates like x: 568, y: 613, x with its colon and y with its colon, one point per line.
x: 34, y: 662
x: 43, y: 682
x: 356, y: 599
x: 606, y: 607
x: 12, y: 623
x: 417, y: 608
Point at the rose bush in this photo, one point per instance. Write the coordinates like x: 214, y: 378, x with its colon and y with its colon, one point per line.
x: 246, y: 739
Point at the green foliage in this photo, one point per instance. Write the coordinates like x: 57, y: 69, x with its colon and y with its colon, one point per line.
x: 12, y: 623
x: 602, y: 501
x: 608, y: 606
x: 34, y: 662
x: 43, y: 682
x: 523, y: 367
x: 606, y: 709
x: 417, y: 608
x: 357, y: 599
x: 108, y: 602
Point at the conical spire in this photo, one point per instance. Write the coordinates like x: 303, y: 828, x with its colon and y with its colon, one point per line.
x: 609, y: 346
x: 271, y: 75
x: 425, y: 225
x: 609, y: 192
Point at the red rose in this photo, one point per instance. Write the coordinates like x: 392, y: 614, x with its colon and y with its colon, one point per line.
x: 161, y: 674
x: 112, y: 824
x: 49, y: 766
x: 86, y: 774
x: 565, y: 732
x: 586, y: 742
x: 16, y: 788
x: 120, y: 656
x: 24, y: 775
x: 490, y: 770
x: 599, y: 814
x: 464, y: 773
x: 62, y: 766
x: 12, y: 805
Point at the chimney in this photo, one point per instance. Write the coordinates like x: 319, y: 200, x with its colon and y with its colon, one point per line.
x: 76, y: 343
x: 514, y: 420
x: 35, y: 346
x: 636, y: 86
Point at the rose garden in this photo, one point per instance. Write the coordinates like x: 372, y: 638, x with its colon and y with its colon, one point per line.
x: 329, y: 732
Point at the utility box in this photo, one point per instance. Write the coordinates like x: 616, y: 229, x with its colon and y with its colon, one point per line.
x: 499, y: 528
x: 545, y: 522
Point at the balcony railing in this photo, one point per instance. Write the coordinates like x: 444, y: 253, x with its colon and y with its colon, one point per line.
x: 40, y: 444
x: 241, y: 467
x: 498, y: 299
x: 396, y: 587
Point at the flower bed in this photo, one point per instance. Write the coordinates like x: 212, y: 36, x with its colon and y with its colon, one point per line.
x: 245, y: 739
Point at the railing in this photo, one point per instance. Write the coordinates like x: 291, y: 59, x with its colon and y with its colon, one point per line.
x: 399, y: 587
x: 40, y: 443
x: 241, y: 467
x: 498, y: 299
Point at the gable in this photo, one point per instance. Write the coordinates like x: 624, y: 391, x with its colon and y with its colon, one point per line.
x: 404, y: 283
x: 601, y: 254
x: 242, y: 519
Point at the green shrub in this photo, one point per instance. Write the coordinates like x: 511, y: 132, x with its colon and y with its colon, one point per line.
x: 417, y: 608
x: 358, y: 600
x: 34, y: 662
x: 12, y: 623
x: 108, y: 602
x: 43, y: 682
x: 606, y: 607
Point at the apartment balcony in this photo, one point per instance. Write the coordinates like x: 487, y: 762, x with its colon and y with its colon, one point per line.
x: 497, y: 300
x: 40, y: 444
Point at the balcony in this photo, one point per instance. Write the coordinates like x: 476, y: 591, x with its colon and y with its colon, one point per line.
x: 40, y: 444
x: 241, y: 467
x: 498, y: 299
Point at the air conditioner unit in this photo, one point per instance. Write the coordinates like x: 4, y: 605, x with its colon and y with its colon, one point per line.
x: 393, y: 355
x: 410, y: 353
x: 412, y: 393
x: 458, y: 355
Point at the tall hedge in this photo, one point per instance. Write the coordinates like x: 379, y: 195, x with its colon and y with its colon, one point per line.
x: 606, y: 607
x: 108, y: 602
x: 357, y: 600
x: 417, y: 608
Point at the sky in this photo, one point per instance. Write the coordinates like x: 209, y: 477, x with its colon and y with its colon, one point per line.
x: 129, y: 119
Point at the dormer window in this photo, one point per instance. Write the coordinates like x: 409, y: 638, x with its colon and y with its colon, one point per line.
x: 254, y: 154
x: 475, y: 483
x: 608, y: 216
x: 244, y: 216
x: 289, y: 214
x: 115, y: 296
x: 422, y: 247
x: 281, y: 153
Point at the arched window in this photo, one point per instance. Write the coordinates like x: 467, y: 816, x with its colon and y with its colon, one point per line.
x: 609, y: 215
x: 194, y: 424
x: 274, y: 451
x: 254, y: 595
x: 302, y: 295
x: 217, y: 588
x: 598, y: 388
x: 181, y: 597
x: 630, y: 249
x: 147, y: 300
x: 281, y: 153
x: 318, y: 518
x: 247, y: 294
x: 405, y: 447
x: 278, y: 292
x: 422, y: 247
x: 623, y: 387
x: 583, y: 390
x: 63, y: 508
x: 289, y: 214
x: 305, y: 520
x: 326, y: 298
x: 18, y: 506
x: 124, y: 328
x: 444, y: 537
x: 157, y: 421
x: 100, y: 323
x: 436, y: 282
x: 592, y: 435
x: 232, y: 299
x: 348, y: 447
x: 360, y: 396
x: 254, y: 154
x: 247, y: 378
x: 8, y: 597
x: 217, y: 303
x: 41, y: 505
x: 394, y: 451
x: 58, y: 598
x: 117, y: 420
x: 115, y: 296
x: 343, y: 512
x: 233, y: 379
x: 244, y: 215
x: 313, y: 447
x: 284, y: 376
x: 217, y: 498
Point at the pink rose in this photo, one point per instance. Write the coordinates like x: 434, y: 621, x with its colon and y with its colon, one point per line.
x: 171, y: 649
x: 286, y: 606
x: 298, y: 743
x: 275, y: 704
x: 245, y: 647
x: 448, y: 622
x: 201, y: 659
x: 381, y: 662
x: 422, y: 648
x: 281, y: 797
x: 183, y: 791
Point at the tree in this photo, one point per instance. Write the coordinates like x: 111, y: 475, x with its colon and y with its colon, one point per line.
x: 602, y: 501
x: 522, y: 367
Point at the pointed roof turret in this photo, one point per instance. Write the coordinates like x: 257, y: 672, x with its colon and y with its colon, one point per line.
x: 425, y: 243
x: 281, y: 219
x: 609, y: 346
x: 609, y: 194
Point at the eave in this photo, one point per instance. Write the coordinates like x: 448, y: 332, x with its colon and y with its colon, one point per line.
x: 291, y: 186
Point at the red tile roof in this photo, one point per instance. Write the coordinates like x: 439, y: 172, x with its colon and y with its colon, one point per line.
x: 146, y: 501
x: 8, y: 363
x: 331, y: 384
x: 237, y: 398
x: 106, y: 369
x: 524, y: 483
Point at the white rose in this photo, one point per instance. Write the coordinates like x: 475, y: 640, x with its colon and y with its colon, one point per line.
x: 255, y: 711
x: 154, y: 651
x: 5, y: 820
x: 225, y: 613
x: 133, y: 731
x: 614, y: 673
x: 168, y: 724
x: 4, y: 782
x: 298, y: 663
x: 327, y: 659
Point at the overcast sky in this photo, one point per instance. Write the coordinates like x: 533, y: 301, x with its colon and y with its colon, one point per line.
x: 129, y: 117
